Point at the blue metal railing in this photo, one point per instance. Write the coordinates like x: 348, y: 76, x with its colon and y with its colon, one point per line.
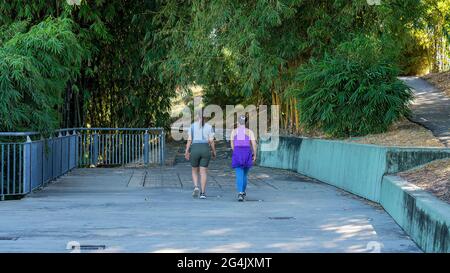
x: 11, y: 168
x: 31, y: 164
x: 112, y: 146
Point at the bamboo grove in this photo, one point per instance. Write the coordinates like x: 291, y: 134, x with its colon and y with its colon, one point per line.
x: 330, y: 65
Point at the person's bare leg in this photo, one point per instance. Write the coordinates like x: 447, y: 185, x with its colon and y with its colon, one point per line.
x: 195, y: 176
x: 203, y: 178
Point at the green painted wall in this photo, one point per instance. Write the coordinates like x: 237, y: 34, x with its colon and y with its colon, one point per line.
x: 352, y: 167
x: 425, y: 218
x: 361, y: 169
x: 285, y: 157
x: 402, y: 159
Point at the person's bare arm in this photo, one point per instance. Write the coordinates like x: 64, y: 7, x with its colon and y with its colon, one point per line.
x: 212, y: 144
x: 213, y: 148
x: 231, y: 139
x: 254, y: 145
x: 187, y: 154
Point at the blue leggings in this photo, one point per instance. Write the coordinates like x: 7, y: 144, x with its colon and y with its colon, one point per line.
x: 241, y: 179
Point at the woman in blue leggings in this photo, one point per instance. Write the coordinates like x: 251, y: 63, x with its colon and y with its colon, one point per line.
x: 243, y: 144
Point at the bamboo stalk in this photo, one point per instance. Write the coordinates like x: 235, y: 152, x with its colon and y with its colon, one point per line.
x: 286, y: 115
x: 293, y: 116
x: 297, y: 117
x: 274, y: 99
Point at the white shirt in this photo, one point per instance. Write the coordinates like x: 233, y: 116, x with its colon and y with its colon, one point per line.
x: 201, y: 134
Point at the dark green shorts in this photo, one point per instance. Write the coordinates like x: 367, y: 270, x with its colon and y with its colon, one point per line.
x: 200, y: 155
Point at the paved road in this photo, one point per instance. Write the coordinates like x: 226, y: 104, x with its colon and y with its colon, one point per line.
x: 151, y: 210
x: 431, y: 108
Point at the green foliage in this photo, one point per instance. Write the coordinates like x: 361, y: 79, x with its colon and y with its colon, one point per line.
x: 35, y: 67
x: 248, y: 50
x: 257, y: 45
x: 118, y: 63
x: 230, y: 45
x: 353, y: 92
x: 107, y: 87
x: 121, y: 93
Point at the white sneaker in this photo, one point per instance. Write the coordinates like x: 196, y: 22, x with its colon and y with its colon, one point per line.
x: 241, y: 197
x: 195, y: 192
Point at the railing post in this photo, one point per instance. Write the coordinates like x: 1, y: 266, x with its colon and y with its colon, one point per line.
x: 95, y: 150
x: 44, y: 161
x: 60, y: 159
x: 68, y: 140
x: 162, y: 148
x: 51, y: 157
x: 27, y: 166
x: 146, y: 143
x: 73, y: 150
x: 78, y: 152
x: 2, y: 195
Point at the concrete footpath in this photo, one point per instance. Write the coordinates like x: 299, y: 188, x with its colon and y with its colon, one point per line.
x: 431, y: 108
x: 151, y: 210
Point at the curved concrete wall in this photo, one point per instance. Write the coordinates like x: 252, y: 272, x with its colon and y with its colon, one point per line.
x: 425, y: 218
x: 361, y: 169
x: 402, y: 159
x: 354, y: 167
x: 285, y: 157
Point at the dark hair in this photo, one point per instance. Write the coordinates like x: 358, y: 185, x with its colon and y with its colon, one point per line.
x: 199, y: 114
x: 241, y: 120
